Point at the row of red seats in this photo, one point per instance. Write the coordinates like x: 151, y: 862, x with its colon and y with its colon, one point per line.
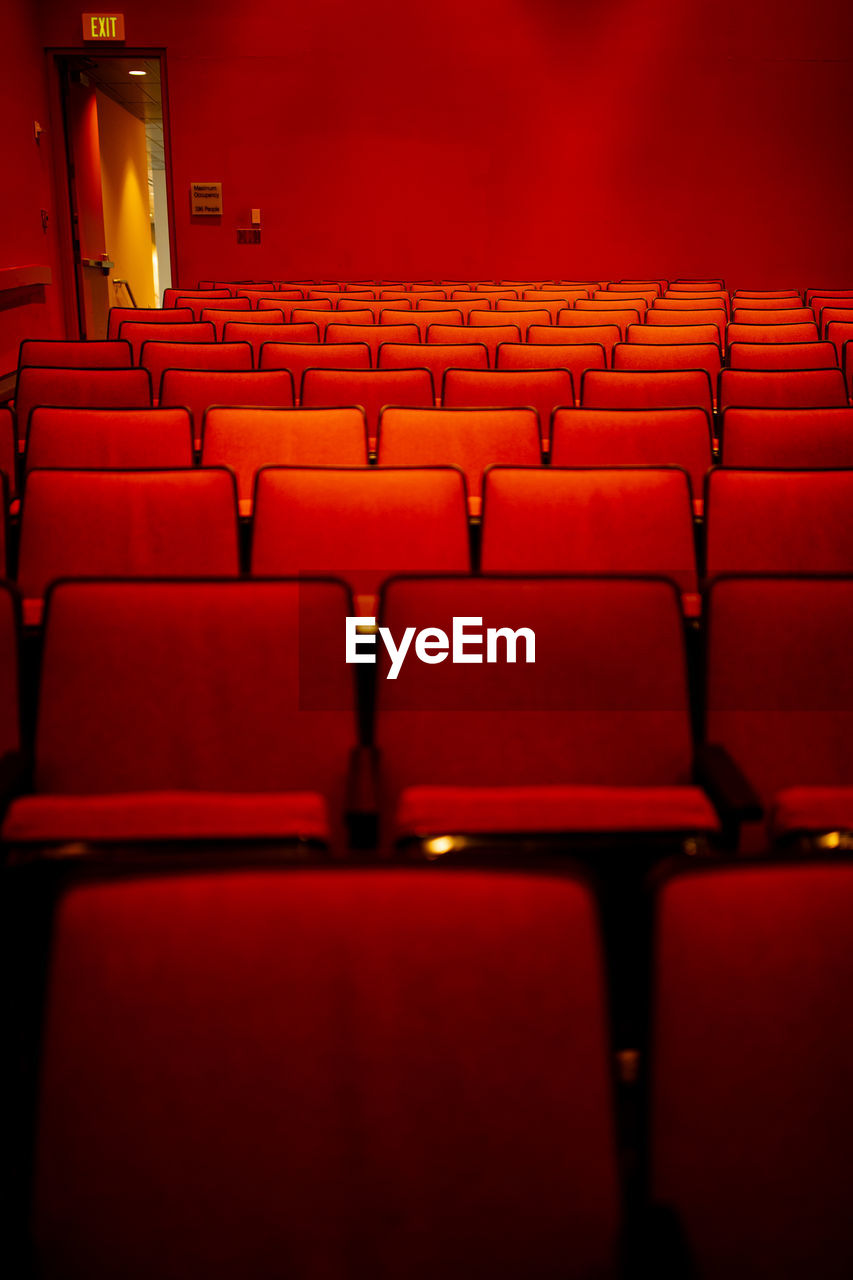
x: 367, y: 524
x: 406, y: 1071
x: 225, y: 709
x: 544, y: 389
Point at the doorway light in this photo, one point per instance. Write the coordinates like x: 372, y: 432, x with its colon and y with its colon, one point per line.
x: 137, y: 73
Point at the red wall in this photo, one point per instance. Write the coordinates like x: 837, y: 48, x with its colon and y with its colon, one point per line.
x: 26, y: 186
x: 510, y: 137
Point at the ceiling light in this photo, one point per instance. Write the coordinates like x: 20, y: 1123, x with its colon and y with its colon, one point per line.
x: 137, y: 73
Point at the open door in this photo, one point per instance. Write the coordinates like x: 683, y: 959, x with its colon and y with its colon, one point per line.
x: 118, y: 200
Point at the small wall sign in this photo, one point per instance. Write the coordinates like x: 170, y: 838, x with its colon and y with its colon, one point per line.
x: 206, y: 199
x: 103, y: 26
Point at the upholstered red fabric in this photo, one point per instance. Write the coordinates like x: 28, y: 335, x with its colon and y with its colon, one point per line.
x: 125, y: 524
x: 371, y: 389
x: 649, y: 437
x: 287, y: 307
x: 393, y: 1072
x: 573, y: 357
x: 771, y: 332
x: 434, y: 811
x: 247, y: 439
x: 655, y: 334
x: 257, y: 333
x: 671, y: 313
x: 157, y: 357
x: 782, y: 389
x: 435, y: 356
x: 137, y: 332
x: 299, y: 356
x: 812, y: 810
x: 647, y: 389
x: 110, y: 438
x: 796, y: 438
x: 604, y: 335
x: 489, y: 335
x: 166, y: 815
x: 361, y: 525
x: 471, y: 439
x: 750, y: 1062
x: 151, y: 315
x: 199, y: 305
x: 198, y: 687
x: 372, y: 334
x: 542, y: 389
x: 782, y: 355
x: 198, y: 389
x: 591, y: 520
x: 48, y: 353
x: 756, y: 521
x: 314, y: 314
x: 605, y: 703
x: 172, y: 297
x: 91, y: 388
x: 420, y: 319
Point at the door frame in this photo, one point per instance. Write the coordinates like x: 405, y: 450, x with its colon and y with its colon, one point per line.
x: 56, y: 60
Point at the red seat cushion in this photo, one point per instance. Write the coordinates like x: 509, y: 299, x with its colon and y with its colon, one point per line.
x: 167, y: 815
x: 432, y: 810
x: 812, y: 809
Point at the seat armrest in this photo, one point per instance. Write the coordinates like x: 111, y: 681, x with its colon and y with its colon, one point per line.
x: 730, y: 791
x: 362, y: 807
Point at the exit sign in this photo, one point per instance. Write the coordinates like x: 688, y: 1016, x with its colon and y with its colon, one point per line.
x: 103, y: 26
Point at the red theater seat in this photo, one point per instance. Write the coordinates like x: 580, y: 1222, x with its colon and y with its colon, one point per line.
x: 172, y: 296
x: 589, y: 319
x: 628, y: 520
x: 451, y: 309
x: 391, y: 307
x: 112, y: 439
x: 839, y: 332
x: 665, y: 316
x: 489, y: 335
x: 372, y: 334
x: 52, y: 354
x: 782, y: 355
x: 157, y: 357
x: 782, y: 389
x: 198, y: 389
x: 667, y: 334
x: 435, y: 356
x: 647, y: 389
x: 797, y: 438
x: 558, y: 298
x: 551, y: 306
x: 549, y: 335
x: 258, y: 334
x: 219, y: 320
x: 779, y: 521
x: 771, y: 333
x: 296, y: 357
x: 247, y: 439
x: 361, y: 525
x: 479, y: 996
x: 85, y: 388
x: 198, y: 306
x: 307, y: 310
x: 137, y: 333
x: 742, y: 955
x: 834, y: 315
x: 573, y: 357
x: 657, y: 356
x: 635, y: 437
x: 421, y: 319
x: 621, y: 313
x: 593, y: 737
x: 255, y: 296
x: 788, y: 315
x: 150, y: 315
x: 522, y: 319
x: 543, y: 389
x: 471, y: 439
x: 190, y: 710
x: 124, y: 524
x: 340, y: 319
x: 372, y: 389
